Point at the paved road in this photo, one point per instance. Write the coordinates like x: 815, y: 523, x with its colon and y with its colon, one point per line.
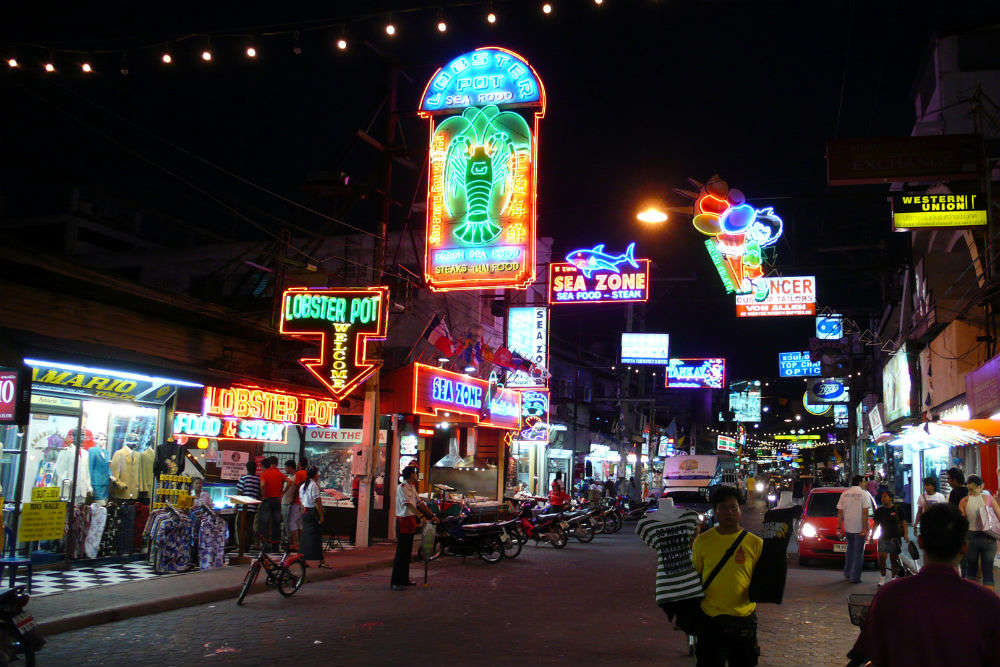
x: 589, y: 604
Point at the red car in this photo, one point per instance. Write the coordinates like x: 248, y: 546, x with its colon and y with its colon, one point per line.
x: 818, y: 529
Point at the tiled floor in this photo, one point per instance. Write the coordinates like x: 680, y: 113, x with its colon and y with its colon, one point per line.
x: 49, y: 582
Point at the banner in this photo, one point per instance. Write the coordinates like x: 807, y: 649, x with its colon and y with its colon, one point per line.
x: 233, y: 464
x: 785, y: 295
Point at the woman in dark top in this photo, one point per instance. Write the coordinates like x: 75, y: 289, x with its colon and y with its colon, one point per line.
x: 893, y: 530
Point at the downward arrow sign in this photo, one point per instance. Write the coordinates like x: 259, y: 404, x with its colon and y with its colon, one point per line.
x: 344, y: 320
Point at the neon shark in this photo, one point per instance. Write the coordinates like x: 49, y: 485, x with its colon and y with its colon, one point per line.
x: 596, y: 259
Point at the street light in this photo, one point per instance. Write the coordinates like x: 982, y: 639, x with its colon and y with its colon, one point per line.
x: 651, y: 215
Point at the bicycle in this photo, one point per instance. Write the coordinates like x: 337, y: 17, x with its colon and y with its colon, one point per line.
x: 288, y: 573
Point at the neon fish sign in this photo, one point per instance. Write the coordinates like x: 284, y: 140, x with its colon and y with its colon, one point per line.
x: 739, y: 236
x: 596, y: 259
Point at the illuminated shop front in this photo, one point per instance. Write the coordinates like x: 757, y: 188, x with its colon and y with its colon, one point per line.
x: 459, y: 438
x: 91, y: 448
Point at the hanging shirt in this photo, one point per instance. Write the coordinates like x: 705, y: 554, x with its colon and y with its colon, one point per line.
x: 676, y: 578
x: 64, y: 470
x: 147, y: 461
x: 125, y: 469
x: 100, y: 472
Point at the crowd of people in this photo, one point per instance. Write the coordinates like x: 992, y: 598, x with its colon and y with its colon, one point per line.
x: 290, y: 509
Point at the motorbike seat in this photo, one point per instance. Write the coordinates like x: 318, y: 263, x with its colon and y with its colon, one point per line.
x: 477, y: 527
x: 551, y: 515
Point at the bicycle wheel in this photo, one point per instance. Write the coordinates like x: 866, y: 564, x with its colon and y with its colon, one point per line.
x: 291, y: 578
x: 289, y: 581
x: 248, y: 581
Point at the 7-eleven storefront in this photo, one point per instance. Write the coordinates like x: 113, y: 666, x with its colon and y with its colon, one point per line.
x: 454, y: 429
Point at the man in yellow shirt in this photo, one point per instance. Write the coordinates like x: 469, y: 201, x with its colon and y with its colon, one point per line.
x: 730, y: 635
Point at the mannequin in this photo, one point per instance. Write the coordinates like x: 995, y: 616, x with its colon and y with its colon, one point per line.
x: 667, y: 512
x: 125, y: 472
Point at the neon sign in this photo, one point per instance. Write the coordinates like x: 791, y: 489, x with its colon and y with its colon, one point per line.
x: 797, y: 364
x: 828, y: 390
x: 696, y: 374
x: 436, y: 391
x: 528, y: 335
x: 534, y: 415
x: 646, y: 348
x: 782, y: 296
x: 255, y: 403
x: 482, y: 171
x: 210, y: 426
x: 596, y: 276
x: 739, y: 235
x: 343, y: 320
x: 725, y: 443
x: 814, y: 408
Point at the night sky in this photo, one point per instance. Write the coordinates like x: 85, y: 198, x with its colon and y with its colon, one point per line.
x: 642, y: 95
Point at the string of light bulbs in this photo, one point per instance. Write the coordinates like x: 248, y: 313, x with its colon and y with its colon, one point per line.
x: 52, y: 59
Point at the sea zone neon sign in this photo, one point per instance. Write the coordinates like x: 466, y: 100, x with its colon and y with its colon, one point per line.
x: 593, y: 275
x: 344, y: 320
x: 483, y: 171
x: 436, y: 390
x: 696, y: 374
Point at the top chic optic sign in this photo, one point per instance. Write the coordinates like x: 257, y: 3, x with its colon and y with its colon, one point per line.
x: 344, y: 320
x: 483, y: 108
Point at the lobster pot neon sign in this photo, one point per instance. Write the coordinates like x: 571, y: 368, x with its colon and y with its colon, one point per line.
x: 483, y: 109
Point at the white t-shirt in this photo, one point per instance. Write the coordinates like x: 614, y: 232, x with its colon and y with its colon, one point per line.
x: 308, y: 494
x: 407, y: 493
x: 925, y: 501
x: 852, y: 502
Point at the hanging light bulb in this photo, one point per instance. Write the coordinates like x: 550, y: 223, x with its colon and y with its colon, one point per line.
x: 491, y: 17
x: 87, y: 69
x: 12, y: 63
x: 442, y: 26
x: 342, y: 44
x: 598, y: 2
x: 390, y: 28
x: 49, y: 67
x: 547, y: 8
x: 206, y: 55
x: 167, y: 58
x: 251, y: 52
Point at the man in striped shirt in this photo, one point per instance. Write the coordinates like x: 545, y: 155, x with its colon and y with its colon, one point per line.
x: 249, y: 485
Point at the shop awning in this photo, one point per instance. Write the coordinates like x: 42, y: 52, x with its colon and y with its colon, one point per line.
x: 936, y: 434
x: 986, y: 427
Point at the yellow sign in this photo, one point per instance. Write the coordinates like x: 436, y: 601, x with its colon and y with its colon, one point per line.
x: 941, y: 210
x: 42, y: 521
x: 41, y: 494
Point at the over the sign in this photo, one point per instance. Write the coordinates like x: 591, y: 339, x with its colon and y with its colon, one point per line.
x: 344, y: 320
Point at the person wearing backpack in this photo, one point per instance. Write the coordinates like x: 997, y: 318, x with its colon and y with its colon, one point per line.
x: 725, y: 557
x: 982, y: 544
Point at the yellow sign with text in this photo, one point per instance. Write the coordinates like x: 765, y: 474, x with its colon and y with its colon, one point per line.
x: 42, y: 521
x: 43, y: 494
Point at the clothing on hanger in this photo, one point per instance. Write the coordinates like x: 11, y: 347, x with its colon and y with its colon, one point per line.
x: 125, y: 472
x: 100, y: 472
x: 147, y: 461
x: 64, y: 471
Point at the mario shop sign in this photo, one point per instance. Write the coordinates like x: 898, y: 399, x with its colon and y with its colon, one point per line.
x: 784, y: 295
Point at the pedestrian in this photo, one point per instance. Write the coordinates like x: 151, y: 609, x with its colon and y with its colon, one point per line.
x: 725, y: 556
x: 249, y: 486
x: 287, y: 496
x: 892, y: 529
x: 982, y: 546
x: 409, y: 508
x: 872, y: 486
x: 956, y: 479
x: 272, y: 485
x: 929, y: 497
x: 609, y: 488
x: 201, y: 498
x: 853, y: 510
x: 934, y: 618
x: 312, y: 517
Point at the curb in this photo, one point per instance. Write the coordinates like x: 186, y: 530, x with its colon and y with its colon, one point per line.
x: 68, y: 623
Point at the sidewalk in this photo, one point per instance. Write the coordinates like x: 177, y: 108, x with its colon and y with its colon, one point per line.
x: 73, y: 610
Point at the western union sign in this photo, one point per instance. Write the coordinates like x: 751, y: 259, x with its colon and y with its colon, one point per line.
x: 933, y: 211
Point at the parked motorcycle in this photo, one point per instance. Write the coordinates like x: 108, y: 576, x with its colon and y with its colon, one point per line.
x: 548, y: 527
x: 18, y: 635
x: 579, y: 524
x: 609, y: 515
x: 634, y: 511
x: 454, y: 538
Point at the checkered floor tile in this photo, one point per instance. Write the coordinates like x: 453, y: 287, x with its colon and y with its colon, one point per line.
x: 50, y: 582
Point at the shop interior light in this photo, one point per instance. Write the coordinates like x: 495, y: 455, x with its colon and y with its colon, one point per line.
x: 49, y: 67
x: 106, y: 371
x: 12, y: 63
x: 167, y: 58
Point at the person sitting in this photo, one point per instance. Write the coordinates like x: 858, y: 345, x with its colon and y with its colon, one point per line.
x: 558, y: 499
x: 915, y: 621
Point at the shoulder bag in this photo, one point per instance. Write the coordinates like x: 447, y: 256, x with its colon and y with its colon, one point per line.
x: 988, y: 517
x: 702, y: 623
